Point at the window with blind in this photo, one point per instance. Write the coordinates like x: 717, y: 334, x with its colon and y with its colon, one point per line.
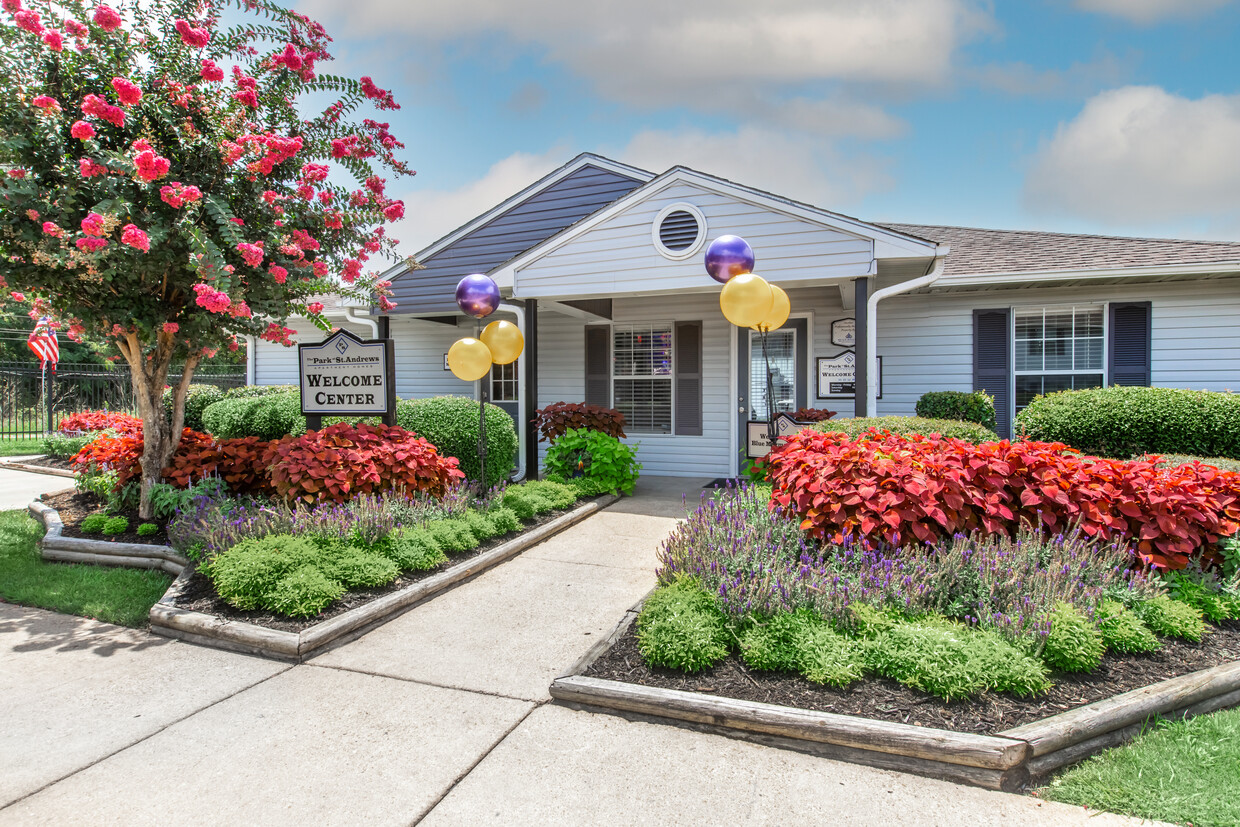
x: 1056, y: 349
x: 642, y: 377
x: 504, y: 382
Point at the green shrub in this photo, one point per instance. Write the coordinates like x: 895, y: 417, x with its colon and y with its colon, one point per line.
x: 1171, y: 618
x: 830, y: 658
x: 453, y: 535
x: 62, y: 446
x: 610, y: 463
x: 415, y: 549
x: 480, y: 525
x: 147, y: 529
x: 770, y: 644
x: 1122, y: 631
x: 99, y: 483
x: 868, y: 622
x: 681, y: 627
x: 909, y: 425
x: 1203, y: 590
x: 450, y: 423
x: 251, y: 391
x: 116, y: 525
x: 951, y: 661
x: 93, y: 524
x: 504, y: 519
x: 1121, y: 422
x: 516, y: 500
x: 1074, y: 644
x: 197, y: 399
x: 1172, y: 460
x: 356, y: 568
x: 554, y: 493
x: 802, y: 641
x: 245, y: 573
x: 303, y: 592
x: 977, y: 407
x: 267, y: 417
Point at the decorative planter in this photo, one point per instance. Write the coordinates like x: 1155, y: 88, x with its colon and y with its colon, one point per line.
x: 1008, y: 760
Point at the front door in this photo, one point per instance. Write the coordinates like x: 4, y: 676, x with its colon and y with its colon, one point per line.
x: 787, y: 352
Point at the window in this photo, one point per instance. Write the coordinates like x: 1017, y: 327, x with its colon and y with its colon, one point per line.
x: 781, y: 349
x: 642, y: 377
x: 679, y: 231
x: 504, y: 382
x: 1057, y: 349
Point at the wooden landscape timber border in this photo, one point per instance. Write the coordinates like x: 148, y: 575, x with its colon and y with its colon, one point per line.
x: 210, y: 630
x: 37, y: 469
x: 1008, y: 761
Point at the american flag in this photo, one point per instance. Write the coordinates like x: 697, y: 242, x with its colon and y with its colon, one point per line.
x: 43, y: 342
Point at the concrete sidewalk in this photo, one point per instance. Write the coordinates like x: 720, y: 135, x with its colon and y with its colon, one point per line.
x: 441, y: 716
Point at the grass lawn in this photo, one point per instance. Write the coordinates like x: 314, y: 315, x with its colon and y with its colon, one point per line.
x: 116, y: 595
x: 1179, y: 771
x: 20, y: 447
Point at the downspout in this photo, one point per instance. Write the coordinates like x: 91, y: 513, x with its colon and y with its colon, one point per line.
x: 519, y: 312
x: 251, y: 360
x: 371, y: 323
x: 871, y: 326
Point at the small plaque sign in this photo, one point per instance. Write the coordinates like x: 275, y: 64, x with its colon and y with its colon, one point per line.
x: 344, y: 375
x: 758, y: 444
x: 837, y: 375
x: 844, y: 332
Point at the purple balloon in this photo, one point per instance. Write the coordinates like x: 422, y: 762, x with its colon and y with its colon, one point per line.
x: 728, y: 256
x: 477, y: 296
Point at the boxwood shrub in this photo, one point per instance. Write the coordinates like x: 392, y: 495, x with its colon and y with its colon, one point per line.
x: 197, y: 399
x: 909, y: 425
x: 1121, y: 422
x: 267, y: 417
x: 250, y: 391
x: 977, y: 406
x: 450, y: 423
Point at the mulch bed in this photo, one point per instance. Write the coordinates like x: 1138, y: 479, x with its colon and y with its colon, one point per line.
x: 74, y: 506
x: 58, y: 463
x: 200, y: 596
x: 887, y: 700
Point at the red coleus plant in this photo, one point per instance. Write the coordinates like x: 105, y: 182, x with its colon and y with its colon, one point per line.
x: 917, y: 489
x: 343, y: 460
x: 812, y: 414
x: 82, y: 421
x: 558, y: 417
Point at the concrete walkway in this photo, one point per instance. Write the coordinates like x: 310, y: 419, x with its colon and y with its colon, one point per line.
x: 440, y: 717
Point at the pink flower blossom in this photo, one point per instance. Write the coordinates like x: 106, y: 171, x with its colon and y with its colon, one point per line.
x: 196, y: 38
x: 326, y: 196
x: 314, y: 173
x: 91, y: 245
x: 247, y: 97
x: 386, y: 304
x: 18, y: 297
x: 75, y: 28
x: 394, y: 211
x: 89, y: 169
x: 305, y: 192
x: 171, y: 327
x: 46, y: 103
x: 107, y: 18
x: 278, y: 273
x: 240, y: 310
x: 233, y: 346
x: 135, y: 238
x: 171, y: 196
x: 215, y: 301
x: 82, y: 130
x: 54, y: 40
x: 97, y: 106
x: 333, y: 221
x: 315, y: 307
x: 17, y: 173
x: 127, y: 92
x: 211, y: 72
x: 12, y: 6
x: 52, y: 229
x: 319, y: 267
x: 252, y: 253
x: 141, y: 145
x: 29, y: 20
x: 151, y: 167
x: 190, y: 194
x: 289, y: 57
x: 33, y: 215
x: 352, y: 269
x: 92, y: 224
x: 240, y: 222
x: 304, y: 240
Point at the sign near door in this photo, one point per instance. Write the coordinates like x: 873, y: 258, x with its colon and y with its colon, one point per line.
x: 837, y: 376
x: 757, y: 441
x: 844, y: 332
x: 344, y: 375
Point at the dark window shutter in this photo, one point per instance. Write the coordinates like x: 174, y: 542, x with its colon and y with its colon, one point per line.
x: 992, y: 349
x: 688, y: 379
x: 598, y: 366
x: 1129, y: 345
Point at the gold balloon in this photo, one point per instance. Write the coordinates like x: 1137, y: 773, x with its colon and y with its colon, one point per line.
x: 780, y: 308
x: 746, y: 299
x: 469, y: 359
x: 504, y: 340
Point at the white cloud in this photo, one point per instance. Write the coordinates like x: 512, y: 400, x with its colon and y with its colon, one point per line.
x: 1145, y: 12
x: 1140, y: 155
x: 1078, y: 80
x: 793, y: 165
x: 432, y: 214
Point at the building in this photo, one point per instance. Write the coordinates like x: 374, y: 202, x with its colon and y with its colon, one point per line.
x: 601, y: 265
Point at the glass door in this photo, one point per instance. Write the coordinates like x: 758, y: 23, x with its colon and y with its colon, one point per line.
x: 787, y: 353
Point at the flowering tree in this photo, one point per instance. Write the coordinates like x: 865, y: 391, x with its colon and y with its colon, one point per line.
x: 164, y: 184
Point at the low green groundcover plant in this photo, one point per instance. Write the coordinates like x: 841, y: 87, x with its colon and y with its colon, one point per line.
x: 93, y: 524
x: 147, y: 529
x: 1182, y: 772
x: 909, y: 425
x: 974, y: 406
x: 116, y: 525
x: 114, y: 595
x: 681, y: 627
x: 608, y: 465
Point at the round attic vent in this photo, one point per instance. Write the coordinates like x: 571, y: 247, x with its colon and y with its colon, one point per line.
x: 679, y: 231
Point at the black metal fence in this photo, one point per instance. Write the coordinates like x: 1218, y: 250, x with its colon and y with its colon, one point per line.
x: 32, y: 401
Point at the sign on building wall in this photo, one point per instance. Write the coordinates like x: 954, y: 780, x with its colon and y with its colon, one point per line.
x: 344, y: 375
x: 837, y: 376
x: 758, y: 443
x: 844, y: 332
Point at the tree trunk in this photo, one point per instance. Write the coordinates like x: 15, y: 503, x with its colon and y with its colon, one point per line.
x: 160, y: 435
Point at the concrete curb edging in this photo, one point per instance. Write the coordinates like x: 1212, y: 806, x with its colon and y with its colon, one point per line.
x: 1006, y: 761
x: 197, y: 627
x: 38, y: 469
x: 55, y: 546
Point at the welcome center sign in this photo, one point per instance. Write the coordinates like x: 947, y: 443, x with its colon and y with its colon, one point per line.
x: 344, y: 375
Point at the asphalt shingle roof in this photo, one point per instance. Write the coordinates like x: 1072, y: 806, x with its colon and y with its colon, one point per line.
x: 976, y: 251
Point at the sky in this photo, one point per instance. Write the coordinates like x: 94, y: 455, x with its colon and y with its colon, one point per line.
x: 1119, y: 117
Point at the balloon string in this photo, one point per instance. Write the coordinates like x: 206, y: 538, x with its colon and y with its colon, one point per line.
x: 482, y: 429
x: 770, y: 392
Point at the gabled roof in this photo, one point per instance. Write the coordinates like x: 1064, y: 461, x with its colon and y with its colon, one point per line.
x: 980, y: 255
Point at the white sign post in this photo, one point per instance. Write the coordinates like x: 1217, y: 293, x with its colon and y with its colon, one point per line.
x: 344, y: 375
